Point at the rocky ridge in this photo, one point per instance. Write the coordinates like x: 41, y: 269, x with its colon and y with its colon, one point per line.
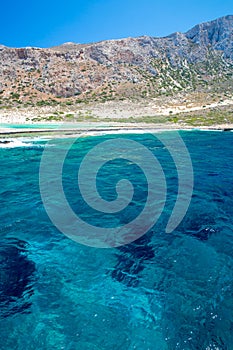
x: 198, y: 61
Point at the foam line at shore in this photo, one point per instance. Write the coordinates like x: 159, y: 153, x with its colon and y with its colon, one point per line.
x: 16, y: 142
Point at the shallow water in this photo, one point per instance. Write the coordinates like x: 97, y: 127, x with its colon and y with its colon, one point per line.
x: 50, y: 125
x: 164, y: 291
x: 29, y: 126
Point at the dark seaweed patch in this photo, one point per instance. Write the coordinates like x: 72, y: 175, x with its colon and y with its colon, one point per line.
x: 16, y: 278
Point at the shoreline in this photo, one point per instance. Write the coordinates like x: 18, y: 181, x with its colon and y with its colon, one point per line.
x: 95, y: 128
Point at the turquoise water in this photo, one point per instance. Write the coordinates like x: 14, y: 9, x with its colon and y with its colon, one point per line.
x: 29, y: 126
x: 49, y: 126
x: 162, y: 292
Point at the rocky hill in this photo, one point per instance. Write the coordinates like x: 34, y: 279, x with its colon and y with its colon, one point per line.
x: 198, y: 61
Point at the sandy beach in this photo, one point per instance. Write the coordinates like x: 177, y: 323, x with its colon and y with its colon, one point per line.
x: 155, y: 108
x: 113, y: 117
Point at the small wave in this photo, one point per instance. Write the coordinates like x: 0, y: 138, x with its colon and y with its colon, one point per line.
x: 14, y: 143
x: 124, y: 131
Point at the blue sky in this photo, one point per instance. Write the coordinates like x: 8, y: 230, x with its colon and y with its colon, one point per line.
x: 46, y: 23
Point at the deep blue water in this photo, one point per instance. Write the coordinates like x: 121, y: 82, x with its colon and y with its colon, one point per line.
x: 162, y: 292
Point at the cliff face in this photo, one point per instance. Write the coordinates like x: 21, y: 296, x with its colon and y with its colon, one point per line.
x: 216, y: 34
x: 200, y: 59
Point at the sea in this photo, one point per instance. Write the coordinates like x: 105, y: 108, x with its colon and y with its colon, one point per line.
x: 157, y: 290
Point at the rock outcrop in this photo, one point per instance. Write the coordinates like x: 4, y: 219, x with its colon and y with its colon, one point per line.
x: 198, y: 60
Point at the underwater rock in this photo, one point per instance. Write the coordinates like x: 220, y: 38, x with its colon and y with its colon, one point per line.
x: 16, y: 277
x: 131, y: 261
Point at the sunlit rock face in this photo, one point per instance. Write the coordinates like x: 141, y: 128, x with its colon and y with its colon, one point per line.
x: 178, y: 62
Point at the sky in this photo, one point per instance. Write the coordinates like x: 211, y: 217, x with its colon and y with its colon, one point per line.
x: 48, y: 23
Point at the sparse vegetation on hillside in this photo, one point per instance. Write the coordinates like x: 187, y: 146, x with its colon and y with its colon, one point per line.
x: 179, y: 72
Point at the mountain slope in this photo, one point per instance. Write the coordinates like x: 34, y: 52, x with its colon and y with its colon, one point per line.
x: 200, y: 60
